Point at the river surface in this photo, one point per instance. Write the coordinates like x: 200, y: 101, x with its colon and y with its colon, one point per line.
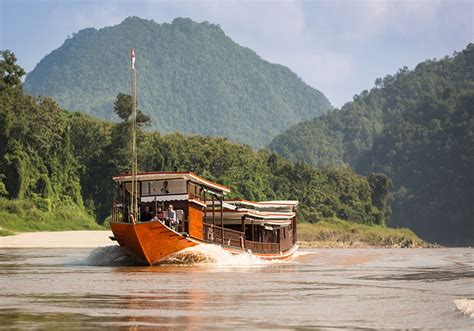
x: 209, y: 289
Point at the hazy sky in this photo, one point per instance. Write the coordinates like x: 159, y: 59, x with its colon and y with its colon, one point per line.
x: 339, y: 47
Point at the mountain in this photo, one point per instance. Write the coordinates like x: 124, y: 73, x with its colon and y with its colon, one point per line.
x: 418, y: 128
x: 192, y: 78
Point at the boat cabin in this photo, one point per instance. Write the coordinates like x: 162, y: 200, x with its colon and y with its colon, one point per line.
x: 202, y: 213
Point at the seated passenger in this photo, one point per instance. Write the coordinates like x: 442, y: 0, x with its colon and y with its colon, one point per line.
x: 146, y: 215
x: 159, y: 214
x: 163, y: 215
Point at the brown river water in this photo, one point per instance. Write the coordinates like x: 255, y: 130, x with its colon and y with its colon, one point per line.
x: 327, y: 289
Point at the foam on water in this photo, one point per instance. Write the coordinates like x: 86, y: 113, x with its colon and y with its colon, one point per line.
x: 201, y: 254
x: 466, y: 306
x: 215, y: 254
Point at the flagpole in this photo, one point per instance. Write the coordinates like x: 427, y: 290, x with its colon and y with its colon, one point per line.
x: 134, y: 137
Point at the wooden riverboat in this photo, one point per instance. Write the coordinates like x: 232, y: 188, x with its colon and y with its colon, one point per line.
x: 203, y: 216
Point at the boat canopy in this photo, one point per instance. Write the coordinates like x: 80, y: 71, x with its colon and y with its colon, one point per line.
x: 264, y: 206
x: 279, y: 204
x: 276, y: 213
x: 170, y: 175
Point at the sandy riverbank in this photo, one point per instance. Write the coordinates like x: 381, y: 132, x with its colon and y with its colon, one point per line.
x: 57, y: 239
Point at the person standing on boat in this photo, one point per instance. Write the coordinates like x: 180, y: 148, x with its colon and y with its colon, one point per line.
x: 171, y: 216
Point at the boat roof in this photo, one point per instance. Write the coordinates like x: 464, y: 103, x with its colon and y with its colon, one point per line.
x: 260, y: 215
x: 263, y: 205
x: 235, y: 217
x: 293, y: 203
x: 168, y: 175
x: 266, y: 211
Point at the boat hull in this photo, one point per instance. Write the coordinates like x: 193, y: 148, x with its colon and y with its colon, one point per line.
x: 154, y: 242
x: 151, y: 241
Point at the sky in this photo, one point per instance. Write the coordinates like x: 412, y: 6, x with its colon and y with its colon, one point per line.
x: 338, y: 47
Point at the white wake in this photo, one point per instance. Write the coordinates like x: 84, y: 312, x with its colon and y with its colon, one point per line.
x: 466, y: 306
x: 214, y: 254
x: 201, y: 254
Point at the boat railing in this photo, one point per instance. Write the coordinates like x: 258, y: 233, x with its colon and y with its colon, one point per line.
x: 259, y: 247
x: 213, y: 233
x: 217, y: 234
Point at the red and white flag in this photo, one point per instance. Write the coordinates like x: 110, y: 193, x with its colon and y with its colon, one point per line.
x: 132, y: 57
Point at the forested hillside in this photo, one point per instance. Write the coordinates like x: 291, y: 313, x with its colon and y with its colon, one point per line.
x: 418, y: 128
x: 192, y: 78
x: 54, y: 160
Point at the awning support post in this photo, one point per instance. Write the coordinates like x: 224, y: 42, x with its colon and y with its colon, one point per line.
x: 222, y: 222
x: 213, y: 209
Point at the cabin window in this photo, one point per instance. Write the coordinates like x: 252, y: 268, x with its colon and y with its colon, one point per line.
x: 146, y: 188
x: 191, y: 189
x: 164, y: 187
x: 194, y: 191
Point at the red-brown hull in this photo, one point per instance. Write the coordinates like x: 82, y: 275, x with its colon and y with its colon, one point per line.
x: 153, y: 242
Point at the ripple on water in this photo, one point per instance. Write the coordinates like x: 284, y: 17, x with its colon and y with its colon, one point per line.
x: 208, y: 288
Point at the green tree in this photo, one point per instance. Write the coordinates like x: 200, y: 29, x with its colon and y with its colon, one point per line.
x: 381, y: 186
x: 123, y: 108
x: 11, y: 72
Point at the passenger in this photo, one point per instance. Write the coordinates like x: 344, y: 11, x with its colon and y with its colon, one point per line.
x: 171, y: 217
x: 164, y: 214
x: 159, y: 214
x: 146, y: 215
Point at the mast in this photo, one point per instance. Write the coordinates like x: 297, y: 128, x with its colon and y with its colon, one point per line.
x: 134, y: 208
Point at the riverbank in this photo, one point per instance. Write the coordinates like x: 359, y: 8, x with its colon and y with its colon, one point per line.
x: 18, y: 216
x: 57, y: 239
x: 335, y: 233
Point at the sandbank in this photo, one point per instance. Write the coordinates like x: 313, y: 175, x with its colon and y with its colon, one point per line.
x: 57, y: 239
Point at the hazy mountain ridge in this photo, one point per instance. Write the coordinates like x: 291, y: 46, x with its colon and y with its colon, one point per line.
x: 416, y: 126
x: 192, y: 78
x: 342, y: 135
